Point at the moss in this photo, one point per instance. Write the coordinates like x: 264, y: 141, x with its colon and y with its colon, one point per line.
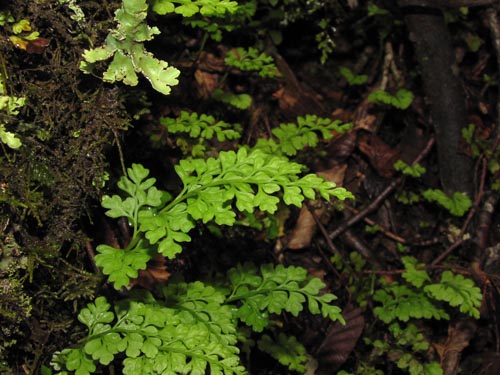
x: 50, y: 184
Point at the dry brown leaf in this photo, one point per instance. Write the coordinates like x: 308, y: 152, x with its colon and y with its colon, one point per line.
x: 342, y: 146
x: 206, y: 82
x: 305, y: 227
x: 211, y: 63
x: 340, y: 341
x: 459, y: 335
x: 155, y: 273
x: 381, y: 156
x: 367, y: 123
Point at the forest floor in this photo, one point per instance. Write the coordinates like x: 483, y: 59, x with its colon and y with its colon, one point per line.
x: 78, y: 133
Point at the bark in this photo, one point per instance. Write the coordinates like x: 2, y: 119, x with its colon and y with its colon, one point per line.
x: 444, y: 95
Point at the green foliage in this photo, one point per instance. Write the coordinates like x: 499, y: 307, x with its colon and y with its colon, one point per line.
x: 200, y: 127
x: 207, y: 8
x: 408, y: 170
x: 351, y: 78
x: 194, y: 327
x: 457, y: 204
x: 239, y: 101
x: 400, y: 302
x: 487, y: 147
x: 326, y: 44
x: 125, y: 44
x: 407, y: 197
x: 401, y: 100
x: 458, y: 292
x: 287, y: 350
x: 421, y: 299
x: 9, y: 106
x: 216, y: 25
x: 213, y: 189
x: 251, y: 60
x: 404, y: 349
x: 415, y: 272
x: 292, y: 138
x: 374, y: 10
x: 77, y: 12
x: 278, y: 289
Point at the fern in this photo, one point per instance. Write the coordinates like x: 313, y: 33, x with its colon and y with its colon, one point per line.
x: 207, y: 8
x: 126, y: 45
x: 251, y: 60
x: 415, y: 273
x: 408, y: 170
x: 402, y: 302
x: 292, y: 138
x: 278, y: 289
x: 239, y: 101
x: 401, y: 100
x: 399, y: 302
x: 351, y: 78
x: 457, y: 291
x: 244, y: 180
x: 457, y: 204
x: 201, y: 128
x: 193, y: 328
x: 287, y: 350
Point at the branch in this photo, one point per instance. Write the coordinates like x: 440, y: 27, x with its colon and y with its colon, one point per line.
x: 378, y: 201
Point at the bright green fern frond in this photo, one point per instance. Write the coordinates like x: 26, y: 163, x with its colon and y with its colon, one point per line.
x: 125, y: 44
x: 277, y: 289
x: 201, y: 126
x: 155, y: 339
x: 206, y: 8
x: 457, y: 291
x: 307, y: 132
x: 213, y: 188
x: 402, y: 303
x: 252, y: 60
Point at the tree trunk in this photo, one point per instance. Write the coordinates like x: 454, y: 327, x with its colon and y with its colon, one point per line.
x: 444, y: 95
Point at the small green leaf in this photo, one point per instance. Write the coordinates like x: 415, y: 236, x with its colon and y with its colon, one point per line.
x: 414, y: 171
x: 414, y: 276
x: 351, y: 78
x: 10, y: 139
x: 401, y: 100
x: 457, y: 204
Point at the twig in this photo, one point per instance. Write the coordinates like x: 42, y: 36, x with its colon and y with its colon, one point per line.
x: 386, y: 232
x: 378, y: 201
x: 477, y: 201
x: 333, y: 248
x: 91, y: 254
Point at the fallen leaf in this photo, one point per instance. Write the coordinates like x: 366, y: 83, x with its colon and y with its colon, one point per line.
x: 305, y: 227
x: 381, y: 156
x: 342, y: 146
x: 206, y: 82
x: 340, y: 341
x: 37, y: 46
x: 155, y: 273
x: 459, y: 335
x: 367, y: 123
